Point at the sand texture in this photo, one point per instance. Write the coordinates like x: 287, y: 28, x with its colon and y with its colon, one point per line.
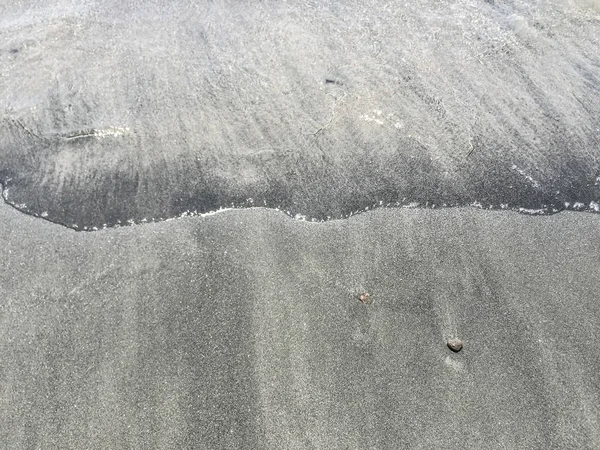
x: 245, y: 330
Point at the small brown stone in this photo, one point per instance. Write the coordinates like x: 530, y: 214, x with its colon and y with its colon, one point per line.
x: 365, y: 298
x: 455, y: 345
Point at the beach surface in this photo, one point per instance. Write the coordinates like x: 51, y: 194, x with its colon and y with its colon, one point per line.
x: 245, y: 330
x: 290, y: 208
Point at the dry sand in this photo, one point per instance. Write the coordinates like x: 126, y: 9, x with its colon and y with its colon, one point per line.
x: 244, y: 330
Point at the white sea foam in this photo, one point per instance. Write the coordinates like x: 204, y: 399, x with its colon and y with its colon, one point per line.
x: 528, y: 177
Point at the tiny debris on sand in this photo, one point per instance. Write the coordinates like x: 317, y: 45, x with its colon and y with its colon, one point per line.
x: 365, y: 298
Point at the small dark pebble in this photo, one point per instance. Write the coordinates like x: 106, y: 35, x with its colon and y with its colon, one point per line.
x: 455, y: 345
x: 333, y: 81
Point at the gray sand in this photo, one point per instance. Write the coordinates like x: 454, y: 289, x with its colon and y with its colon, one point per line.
x: 244, y: 330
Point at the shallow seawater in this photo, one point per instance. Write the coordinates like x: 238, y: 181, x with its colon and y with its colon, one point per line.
x: 467, y: 103
x: 545, y: 210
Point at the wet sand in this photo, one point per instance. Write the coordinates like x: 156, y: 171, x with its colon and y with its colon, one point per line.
x: 245, y: 330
